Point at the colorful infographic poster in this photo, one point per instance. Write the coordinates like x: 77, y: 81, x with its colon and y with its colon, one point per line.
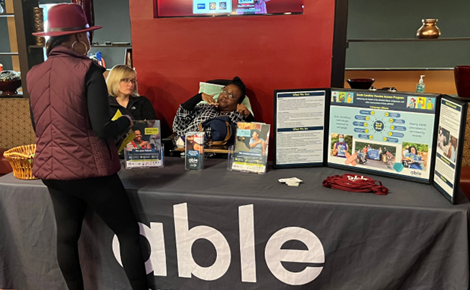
x: 382, y: 132
x: 447, y: 168
x: 299, y: 132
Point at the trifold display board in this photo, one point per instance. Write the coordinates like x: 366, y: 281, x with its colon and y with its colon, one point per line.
x: 407, y: 135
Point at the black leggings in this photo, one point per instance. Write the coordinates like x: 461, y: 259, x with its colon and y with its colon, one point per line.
x: 108, y: 198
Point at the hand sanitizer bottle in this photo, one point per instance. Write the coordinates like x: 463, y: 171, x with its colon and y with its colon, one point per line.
x: 420, y: 87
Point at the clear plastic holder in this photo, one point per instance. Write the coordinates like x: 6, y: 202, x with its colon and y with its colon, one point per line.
x: 145, y: 164
x: 230, y: 157
x: 146, y: 149
x: 194, y: 150
x: 251, y: 148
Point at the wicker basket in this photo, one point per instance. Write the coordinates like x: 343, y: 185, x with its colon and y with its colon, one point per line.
x: 21, y: 160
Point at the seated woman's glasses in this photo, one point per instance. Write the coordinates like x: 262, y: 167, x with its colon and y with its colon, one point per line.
x: 230, y: 96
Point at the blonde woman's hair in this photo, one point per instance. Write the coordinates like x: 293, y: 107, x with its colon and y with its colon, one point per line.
x: 115, y: 76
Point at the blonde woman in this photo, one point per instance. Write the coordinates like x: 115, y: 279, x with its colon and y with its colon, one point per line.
x: 122, y: 90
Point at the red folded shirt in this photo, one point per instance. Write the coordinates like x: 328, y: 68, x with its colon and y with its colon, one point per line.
x: 355, y: 183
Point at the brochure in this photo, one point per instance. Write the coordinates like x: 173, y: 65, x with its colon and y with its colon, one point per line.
x: 251, y: 147
x: 145, y: 150
x: 194, y: 150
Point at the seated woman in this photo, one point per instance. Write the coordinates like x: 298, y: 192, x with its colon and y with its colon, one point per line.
x: 122, y: 90
x: 190, y: 114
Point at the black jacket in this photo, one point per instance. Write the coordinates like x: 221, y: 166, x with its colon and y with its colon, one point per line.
x: 139, y: 108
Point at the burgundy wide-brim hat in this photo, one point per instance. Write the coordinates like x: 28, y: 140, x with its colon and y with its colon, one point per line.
x: 66, y: 19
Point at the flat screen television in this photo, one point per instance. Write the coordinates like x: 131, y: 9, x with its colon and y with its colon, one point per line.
x: 198, y: 8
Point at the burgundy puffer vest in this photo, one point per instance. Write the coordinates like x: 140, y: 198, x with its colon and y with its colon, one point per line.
x: 67, y: 147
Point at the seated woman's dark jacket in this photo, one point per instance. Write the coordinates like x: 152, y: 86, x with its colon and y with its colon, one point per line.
x: 138, y: 108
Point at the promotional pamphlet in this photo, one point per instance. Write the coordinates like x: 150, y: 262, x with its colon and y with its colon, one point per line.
x: 251, y: 147
x: 450, y: 135
x: 382, y: 132
x: 299, y: 130
x: 194, y: 150
x: 145, y: 150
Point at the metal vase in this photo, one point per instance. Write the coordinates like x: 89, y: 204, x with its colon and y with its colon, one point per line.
x: 429, y: 29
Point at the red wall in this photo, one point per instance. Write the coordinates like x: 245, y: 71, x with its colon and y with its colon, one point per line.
x: 172, y: 55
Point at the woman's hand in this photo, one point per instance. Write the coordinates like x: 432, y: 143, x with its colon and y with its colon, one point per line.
x: 209, y: 99
x: 241, y: 109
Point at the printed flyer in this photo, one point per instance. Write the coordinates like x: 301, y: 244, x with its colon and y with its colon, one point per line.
x: 251, y: 147
x: 382, y: 132
x: 145, y: 150
x: 194, y: 150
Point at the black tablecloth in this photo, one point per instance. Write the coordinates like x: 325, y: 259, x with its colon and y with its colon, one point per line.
x: 412, y: 238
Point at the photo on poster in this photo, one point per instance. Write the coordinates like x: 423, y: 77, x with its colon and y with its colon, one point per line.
x: 341, y: 145
x: 422, y: 103
x: 453, y: 149
x: 375, y: 155
x: 415, y: 156
x: 342, y: 97
x: 145, y: 150
x: 381, y: 125
x: 443, y: 140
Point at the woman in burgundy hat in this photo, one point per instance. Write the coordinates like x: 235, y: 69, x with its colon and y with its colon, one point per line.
x: 76, y: 157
